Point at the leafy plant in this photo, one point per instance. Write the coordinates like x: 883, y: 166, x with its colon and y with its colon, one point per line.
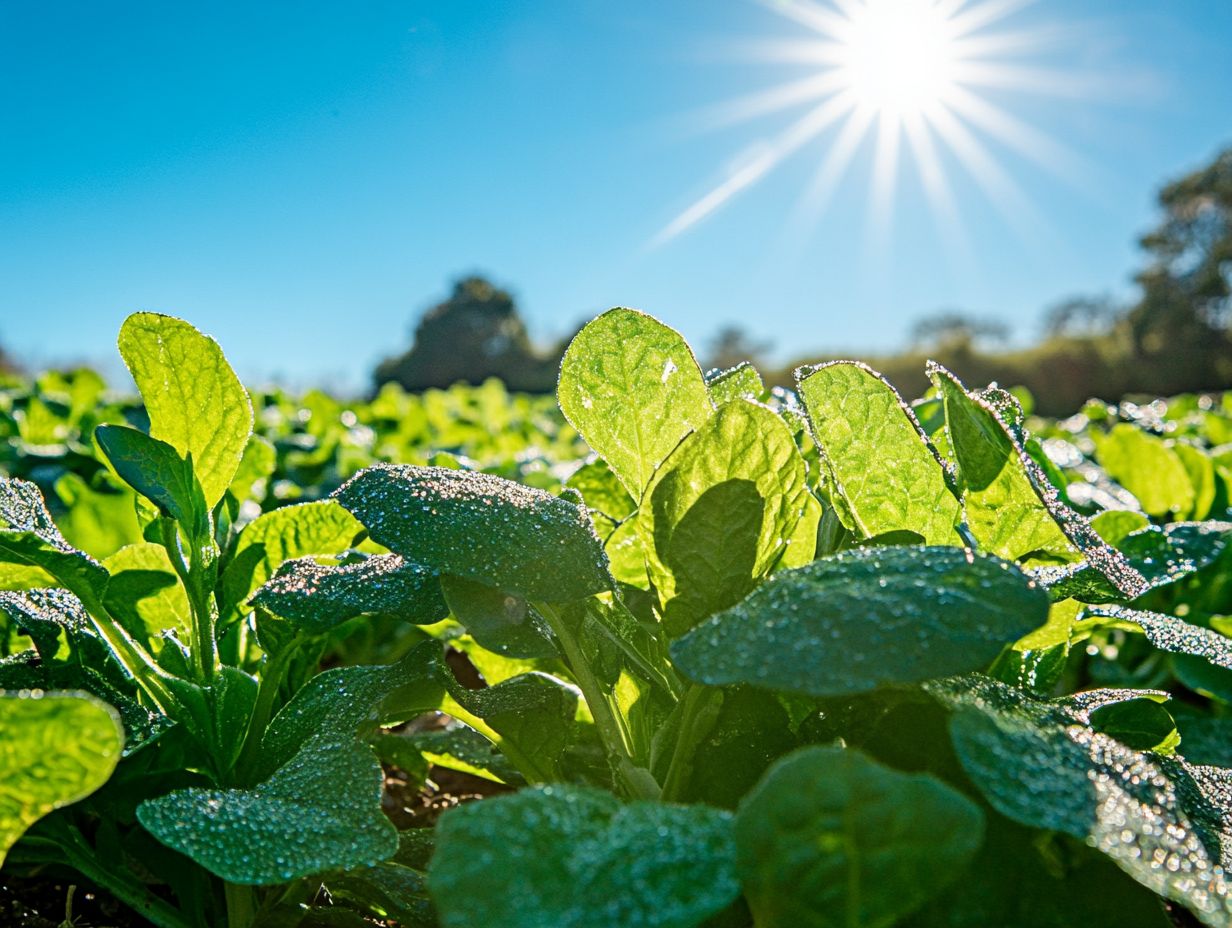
x: 828, y: 661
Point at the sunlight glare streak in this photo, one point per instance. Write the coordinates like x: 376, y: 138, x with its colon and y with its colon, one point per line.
x: 915, y: 68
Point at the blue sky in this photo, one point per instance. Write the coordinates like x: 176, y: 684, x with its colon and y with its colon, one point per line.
x: 301, y: 179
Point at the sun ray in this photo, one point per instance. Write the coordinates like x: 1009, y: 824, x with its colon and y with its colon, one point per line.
x: 757, y: 165
x: 913, y: 75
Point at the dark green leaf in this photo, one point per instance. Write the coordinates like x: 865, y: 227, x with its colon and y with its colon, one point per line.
x: 863, y: 618
x: 320, y: 811
x: 157, y: 471
x: 480, y: 527
x: 318, y: 597
x: 571, y: 857
x: 832, y: 839
x: 499, y: 621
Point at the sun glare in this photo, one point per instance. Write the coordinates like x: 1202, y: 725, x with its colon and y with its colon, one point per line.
x: 898, y: 55
x: 898, y: 71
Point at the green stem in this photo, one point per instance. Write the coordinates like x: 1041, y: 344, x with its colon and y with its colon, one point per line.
x: 241, y: 905
x: 205, y: 648
x: 80, y: 856
x: 612, y: 731
x: 135, y: 660
x: 701, y: 703
x: 272, y: 675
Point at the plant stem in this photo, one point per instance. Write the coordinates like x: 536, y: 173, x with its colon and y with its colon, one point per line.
x: 81, y: 857
x: 697, y: 718
x: 611, y: 727
x: 205, y: 648
x: 241, y: 905
x: 272, y: 675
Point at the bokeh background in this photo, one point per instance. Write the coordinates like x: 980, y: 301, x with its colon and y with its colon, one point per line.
x: 344, y: 193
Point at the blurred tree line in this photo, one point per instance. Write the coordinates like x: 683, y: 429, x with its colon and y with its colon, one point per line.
x: 1175, y: 337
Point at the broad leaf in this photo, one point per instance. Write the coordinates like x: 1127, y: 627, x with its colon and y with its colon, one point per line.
x: 1159, y: 819
x: 632, y: 388
x: 864, y: 618
x: 317, y: 597
x: 879, y: 460
x: 480, y: 527
x: 831, y: 839
x: 195, y: 402
x: 55, y: 749
x: 321, y: 811
x: 573, y: 857
x: 1147, y: 467
x: 1169, y: 633
x: 320, y: 527
x: 719, y: 513
x: 146, y: 596
x: 739, y: 382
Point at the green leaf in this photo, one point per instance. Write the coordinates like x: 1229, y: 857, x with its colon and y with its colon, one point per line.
x: 1168, y: 633
x: 1159, y: 819
x: 1147, y: 467
x: 573, y: 857
x: 632, y: 388
x: 388, y: 890
x: 317, y: 597
x: 717, y: 515
x: 602, y: 490
x: 146, y: 596
x: 157, y: 471
x: 480, y: 527
x: 1137, y: 721
x: 321, y: 811
x: 500, y: 621
x: 1162, y: 555
x: 1012, y: 509
x: 321, y: 527
x: 830, y: 839
x: 29, y: 536
x: 56, y: 748
x: 865, y: 618
x: 739, y: 382
x: 878, y: 458
x: 195, y: 402
x: 459, y: 748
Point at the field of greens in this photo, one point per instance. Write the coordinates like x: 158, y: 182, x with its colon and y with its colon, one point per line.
x: 668, y: 650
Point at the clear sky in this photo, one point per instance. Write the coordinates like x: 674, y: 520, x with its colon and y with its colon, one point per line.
x: 301, y: 179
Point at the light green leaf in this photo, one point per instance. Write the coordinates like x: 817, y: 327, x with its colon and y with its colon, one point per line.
x: 877, y: 456
x: 1201, y: 470
x: 739, y: 382
x: 320, y: 527
x: 319, y: 812
x: 1147, y: 467
x: 602, y: 490
x: 573, y: 857
x: 480, y: 527
x: 146, y: 596
x: 632, y: 388
x: 864, y: 618
x: 55, y: 749
x: 831, y: 839
x: 717, y: 515
x: 195, y: 402
x: 1012, y: 509
x: 317, y: 597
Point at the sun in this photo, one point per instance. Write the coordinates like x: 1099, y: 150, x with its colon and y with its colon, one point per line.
x: 914, y: 76
x: 898, y: 56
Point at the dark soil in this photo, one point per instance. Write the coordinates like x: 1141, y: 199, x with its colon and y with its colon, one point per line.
x: 41, y: 902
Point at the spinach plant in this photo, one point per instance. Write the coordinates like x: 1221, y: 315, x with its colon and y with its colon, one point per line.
x: 765, y: 660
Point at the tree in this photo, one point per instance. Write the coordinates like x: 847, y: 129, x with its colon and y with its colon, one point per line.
x: 1081, y: 315
x: 474, y: 334
x: 1186, y: 303
x: 731, y: 345
x: 952, y: 328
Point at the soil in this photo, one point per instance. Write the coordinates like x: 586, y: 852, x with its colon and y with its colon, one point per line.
x: 41, y: 902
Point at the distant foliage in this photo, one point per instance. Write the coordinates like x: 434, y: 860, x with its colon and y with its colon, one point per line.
x: 475, y: 334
